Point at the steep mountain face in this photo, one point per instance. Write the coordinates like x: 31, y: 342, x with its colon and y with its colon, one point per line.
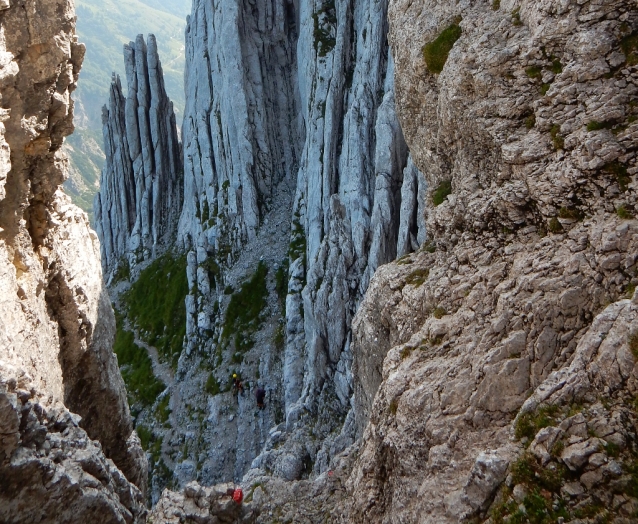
x: 529, y: 290
x: 142, y: 183
x: 494, y: 370
x: 294, y: 162
x: 56, y: 321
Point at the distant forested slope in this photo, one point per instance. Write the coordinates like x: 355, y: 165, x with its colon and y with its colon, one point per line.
x: 105, y: 26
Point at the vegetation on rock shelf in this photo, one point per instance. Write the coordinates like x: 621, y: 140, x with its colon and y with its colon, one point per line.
x: 439, y: 312
x: 137, y: 370
x: 281, y: 281
x: 557, y: 139
x: 212, y: 386
x: 123, y: 271
x: 163, y: 411
x: 629, y: 47
x: 297, y: 246
x: 528, y: 424
x: 633, y: 343
x: 623, y: 213
x: 244, y: 313
x: 155, y: 305
x: 418, y: 277
x: 555, y: 226
x: 620, y: 172
x: 436, y: 52
x: 325, y: 20
x: 442, y: 192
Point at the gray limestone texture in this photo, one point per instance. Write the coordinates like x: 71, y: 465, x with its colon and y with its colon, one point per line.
x: 293, y: 154
x: 141, y: 187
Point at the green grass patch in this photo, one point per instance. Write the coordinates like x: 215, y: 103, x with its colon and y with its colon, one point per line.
x: 620, y: 172
x: 137, y: 370
x: 569, y: 213
x: 405, y: 260
x: 212, y: 268
x: 534, y: 72
x: 162, y: 411
x: 633, y: 344
x: 554, y: 226
x: 597, y: 126
x: 325, y: 21
x: 629, y: 46
x: 212, y: 386
x: 155, y: 304
x: 557, y: 67
x: 442, y: 192
x: 406, y: 352
x: 557, y: 138
x: 436, y: 52
x: 439, y: 312
x: 623, y: 212
x: 516, y: 17
x: 281, y: 281
x: 279, y: 337
x: 123, y: 271
x: 530, y: 121
x: 297, y: 247
x: 244, y: 313
x: 496, y: 5
x: 526, y: 470
x: 394, y: 406
x: 530, y: 423
x: 418, y: 277
x: 545, y: 88
x: 429, y: 247
x: 632, y: 485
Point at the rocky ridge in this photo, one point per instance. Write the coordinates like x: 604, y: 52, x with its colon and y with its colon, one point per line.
x: 140, y: 199
x: 57, y: 325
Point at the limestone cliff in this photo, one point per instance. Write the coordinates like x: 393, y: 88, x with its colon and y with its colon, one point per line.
x: 494, y: 371
x: 56, y: 321
x: 528, y: 290
x: 141, y: 186
x: 295, y: 160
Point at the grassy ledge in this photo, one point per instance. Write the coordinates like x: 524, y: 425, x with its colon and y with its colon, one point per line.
x: 244, y: 313
x: 442, y: 192
x: 436, y: 52
x: 155, y: 305
x: 137, y: 370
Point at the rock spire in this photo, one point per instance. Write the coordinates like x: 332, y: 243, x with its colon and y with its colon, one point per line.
x: 141, y: 187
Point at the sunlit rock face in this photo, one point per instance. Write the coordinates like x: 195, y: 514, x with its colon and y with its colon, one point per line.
x: 64, y: 420
x: 141, y: 187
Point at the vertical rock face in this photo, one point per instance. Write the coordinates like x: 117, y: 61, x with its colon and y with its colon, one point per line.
x: 142, y: 183
x: 518, y: 319
x: 56, y: 322
x: 290, y: 118
x: 531, y: 121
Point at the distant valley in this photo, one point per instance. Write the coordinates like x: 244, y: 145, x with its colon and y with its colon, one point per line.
x: 104, y: 27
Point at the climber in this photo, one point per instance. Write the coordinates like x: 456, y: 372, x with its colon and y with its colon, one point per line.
x: 260, y: 394
x: 238, y: 495
x: 237, y: 384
